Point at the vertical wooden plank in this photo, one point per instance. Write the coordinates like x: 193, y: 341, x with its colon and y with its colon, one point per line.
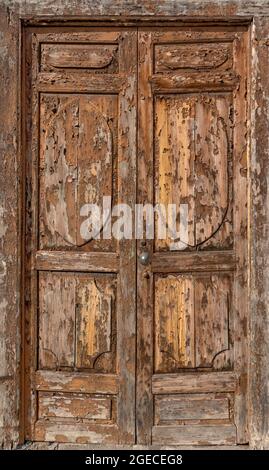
x: 94, y: 310
x: 96, y: 148
x: 77, y: 147
x: 259, y: 237
x: 57, y: 295
x: 212, y: 311
x: 193, y: 164
x: 174, y: 323
x: 240, y: 300
x: 59, y: 138
x: 126, y: 306
x: 212, y: 153
x: 144, y: 401
x: 31, y: 232
x: 174, y: 147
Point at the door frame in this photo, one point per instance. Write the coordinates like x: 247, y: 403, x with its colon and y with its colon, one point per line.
x: 109, y: 23
x: 143, y: 404
x: 13, y: 20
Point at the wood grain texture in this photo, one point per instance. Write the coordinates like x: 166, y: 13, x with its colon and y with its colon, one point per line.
x: 71, y: 261
x: 241, y: 208
x: 258, y: 326
x: 69, y: 83
x: 214, y: 12
x: 76, y: 321
x: 76, y: 382
x: 76, y: 166
x: 83, y: 148
x: 203, y: 56
x: 194, y: 435
x: 126, y: 312
x: 212, y: 319
x: 194, y: 82
x: 174, y: 323
x: 100, y: 58
x: 193, y: 333
x: 192, y: 165
x: 10, y: 229
x: 178, y: 262
x: 145, y: 337
x: 191, y: 407
x: 192, y: 316
x: 60, y: 405
x: 194, y: 382
x: 76, y: 433
x: 96, y: 328
x: 56, y: 320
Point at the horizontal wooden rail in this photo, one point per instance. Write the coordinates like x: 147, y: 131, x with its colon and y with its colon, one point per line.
x: 79, y: 382
x: 70, y: 261
x: 194, y: 382
x: 172, y: 262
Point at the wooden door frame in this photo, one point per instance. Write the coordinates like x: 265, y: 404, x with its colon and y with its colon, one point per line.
x: 13, y: 19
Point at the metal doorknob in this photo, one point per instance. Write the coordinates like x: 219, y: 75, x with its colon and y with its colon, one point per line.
x: 144, y: 258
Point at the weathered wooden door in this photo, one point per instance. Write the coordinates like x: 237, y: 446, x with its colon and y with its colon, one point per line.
x: 80, y: 318
x: 116, y: 350
x: 192, y: 302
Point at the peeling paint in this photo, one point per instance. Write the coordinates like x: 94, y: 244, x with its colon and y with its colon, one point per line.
x: 3, y: 226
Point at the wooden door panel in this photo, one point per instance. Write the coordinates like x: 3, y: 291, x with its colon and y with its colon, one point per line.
x: 192, y: 408
x: 197, y: 434
x: 213, y: 321
x: 78, y: 405
x: 165, y: 127
x: 193, y: 165
x: 93, y: 57
x: 188, y: 56
x: 192, y: 95
x: 78, y: 158
x: 192, y: 318
x: 96, y: 324
x: 174, y: 323
x: 77, y: 321
x: 80, y: 358
x: 56, y: 322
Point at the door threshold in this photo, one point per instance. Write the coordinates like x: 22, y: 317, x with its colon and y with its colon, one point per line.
x: 83, y: 447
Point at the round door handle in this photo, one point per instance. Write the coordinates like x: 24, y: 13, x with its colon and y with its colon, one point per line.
x: 144, y: 258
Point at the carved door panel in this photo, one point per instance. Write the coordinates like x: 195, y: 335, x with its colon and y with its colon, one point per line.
x: 118, y: 345
x: 192, y: 296
x: 80, y: 293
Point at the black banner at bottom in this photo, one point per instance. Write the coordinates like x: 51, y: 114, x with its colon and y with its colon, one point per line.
x: 122, y: 458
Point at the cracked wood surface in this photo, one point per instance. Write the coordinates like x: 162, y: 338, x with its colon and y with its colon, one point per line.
x: 188, y: 153
x: 80, y: 318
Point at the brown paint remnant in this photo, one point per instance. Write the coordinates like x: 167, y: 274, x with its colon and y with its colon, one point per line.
x: 78, y: 56
x: 193, y: 56
x: 95, y: 300
x: 192, y: 315
x: 75, y: 164
x: 194, y: 165
x: 60, y: 405
x: 76, y: 321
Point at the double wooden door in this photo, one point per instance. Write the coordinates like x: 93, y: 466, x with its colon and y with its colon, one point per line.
x: 118, y: 351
